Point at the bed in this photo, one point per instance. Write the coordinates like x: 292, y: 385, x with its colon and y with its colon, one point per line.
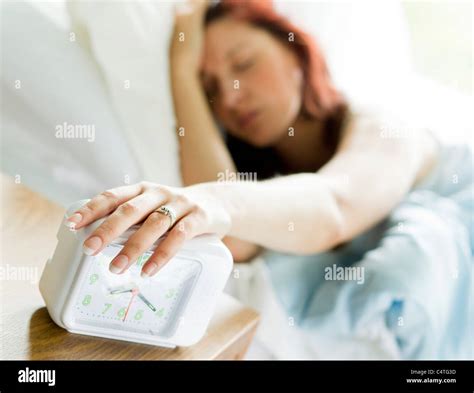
x: 77, y: 74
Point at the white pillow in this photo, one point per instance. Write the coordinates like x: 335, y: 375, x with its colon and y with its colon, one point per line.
x: 49, y: 80
x: 130, y: 43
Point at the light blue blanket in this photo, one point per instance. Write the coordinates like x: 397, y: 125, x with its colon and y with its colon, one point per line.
x: 414, y: 270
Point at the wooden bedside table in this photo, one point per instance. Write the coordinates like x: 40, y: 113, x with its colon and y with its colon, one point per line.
x: 29, y: 224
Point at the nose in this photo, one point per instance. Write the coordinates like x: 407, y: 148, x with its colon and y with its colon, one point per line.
x: 232, y: 94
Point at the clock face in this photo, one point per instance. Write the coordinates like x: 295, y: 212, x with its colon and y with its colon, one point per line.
x: 128, y: 302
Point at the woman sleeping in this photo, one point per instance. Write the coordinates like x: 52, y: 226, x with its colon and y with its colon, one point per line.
x: 254, y: 101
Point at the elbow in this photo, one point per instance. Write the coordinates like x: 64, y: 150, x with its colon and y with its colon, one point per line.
x: 334, y: 234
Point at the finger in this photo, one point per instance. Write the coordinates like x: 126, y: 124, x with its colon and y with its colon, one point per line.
x: 126, y: 215
x: 103, y: 204
x: 185, y: 229
x: 152, y: 229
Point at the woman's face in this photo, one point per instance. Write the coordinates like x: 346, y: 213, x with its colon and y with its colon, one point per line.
x: 253, y: 81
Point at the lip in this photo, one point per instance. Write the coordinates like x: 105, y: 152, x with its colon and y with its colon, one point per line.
x: 247, y: 119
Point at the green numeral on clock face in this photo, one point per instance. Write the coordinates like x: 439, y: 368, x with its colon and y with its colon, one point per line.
x: 139, y: 315
x: 121, y: 312
x: 107, y: 306
x: 142, y: 259
x: 93, y: 278
x: 87, y: 300
x: 170, y: 293
x: 139, y: 261
x: 160, y: 312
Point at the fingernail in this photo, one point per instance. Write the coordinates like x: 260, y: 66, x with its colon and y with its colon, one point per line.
x: 149, y: 270
x: 72, y: 221
x: 92, y: 245
x: 118, y: 264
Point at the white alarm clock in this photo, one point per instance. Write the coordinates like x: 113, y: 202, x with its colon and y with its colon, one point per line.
x: 172, y: 308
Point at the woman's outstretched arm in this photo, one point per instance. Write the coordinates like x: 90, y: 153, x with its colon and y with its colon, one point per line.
x: 295, y: 214
x: 313, y: 212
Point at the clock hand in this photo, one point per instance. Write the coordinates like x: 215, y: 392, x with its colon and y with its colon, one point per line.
x: 145, y: 300
x: 122, y: 289
x: 134, y: 293
x: 117, y: 291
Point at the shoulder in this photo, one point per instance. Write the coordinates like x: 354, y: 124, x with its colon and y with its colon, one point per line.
x: 375, y: 133
x: 365, y: 127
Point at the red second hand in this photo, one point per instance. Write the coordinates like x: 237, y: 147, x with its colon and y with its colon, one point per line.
x: 134, y: 293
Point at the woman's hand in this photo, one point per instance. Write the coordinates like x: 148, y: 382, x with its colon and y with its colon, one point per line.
x: 187, y: 40
x: 197, y: 212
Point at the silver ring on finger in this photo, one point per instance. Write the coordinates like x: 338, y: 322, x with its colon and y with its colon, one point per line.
x: 169, y: 212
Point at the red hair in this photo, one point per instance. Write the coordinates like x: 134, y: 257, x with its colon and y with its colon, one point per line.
x: 320, y: 99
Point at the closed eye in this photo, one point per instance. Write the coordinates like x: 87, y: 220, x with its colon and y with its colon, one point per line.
x: 243, y: 65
